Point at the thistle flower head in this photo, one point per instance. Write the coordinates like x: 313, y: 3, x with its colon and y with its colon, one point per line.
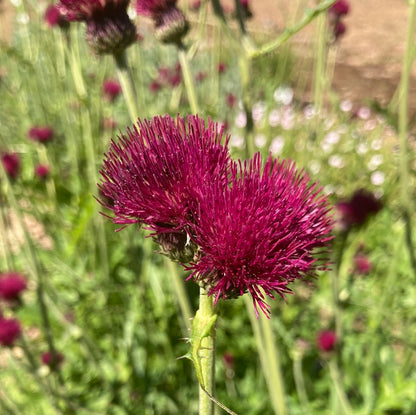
x: 170, y: 23
x: 12, y: 284
x: 84, y: 10
x: 261, y: 232
x: 10, y: 331
x: 52, y: 359
x: 357, y: 210
x: 41, y: 134
x: 109, y: 28
x: 11, y: 164
x: 54, y: 17
x: 326, y: 340
x: 340, y: 8
x: 156, y: 175
x: 42, y: 171
x: 111, y: 89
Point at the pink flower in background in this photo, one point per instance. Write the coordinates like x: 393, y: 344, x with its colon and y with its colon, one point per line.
x: 111, y: 89
x: 339, y: 29
x: 195, y: 5
x: 54, y: 17
x: 12, y: 284
x: 200, y: 76
x: 231, y: 100
x: 109, y: 123
x: 48, y: 359
x: 155, y: 174
x: 41, y: 134
x: 327, y: 340
x: 356, y: 210
x: 11, y: 163
x: 42, y: 171
x: 362, y: 264
x: 222, y: 67
x: 245, y: 8
x: 155, y: 86
x: 260, y: 233
x: 10, y: 331
x: 340, y: 8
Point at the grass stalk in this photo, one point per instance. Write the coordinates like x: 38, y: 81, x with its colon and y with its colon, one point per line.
x: 188, y: 80
x: 320, y: 79
x: 269, y: 358
x: 405, y: 195
x: 127, y: 84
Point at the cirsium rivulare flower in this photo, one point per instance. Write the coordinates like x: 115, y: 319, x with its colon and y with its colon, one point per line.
x: 171, y: 24
x: 109, y: 28
x: 268, y: 228
x: 155, y: 175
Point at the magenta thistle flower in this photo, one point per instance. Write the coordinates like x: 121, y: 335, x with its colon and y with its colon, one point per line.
x: 264, y: 231
x: 327, y: 340
x: 54, y: 17
x: 52, y: 360
x: 41, y: 134
x: 111, y: 89
x: 109, y: 28
x: 10, y: 331
x: 42, y: 171
x: 170, y: 23
x: 12, y: 284
x: 11, y: 164
x: 339, y: 29
x: 155, y: 176
x: 362, y: 264
x: 357, y: 210
x: 340, y: 8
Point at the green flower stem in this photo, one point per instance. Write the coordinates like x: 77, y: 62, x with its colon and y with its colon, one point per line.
x: 181, y: 294
x: 275, y: 378
x: 203, y: 351
x: 187, y: 77
x: 342, y: 399
x: 320, y: 63
x: 245, y: 73
x: 269, y: 358
x: 310, y: 14
x: 300, y: 383
x: 75, y: 62
x: 406, y: 196
x: 127, y: 85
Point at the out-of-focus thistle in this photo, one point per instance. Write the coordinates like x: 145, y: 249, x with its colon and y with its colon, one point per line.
x: 109, y: 28
x: 171, y: 24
